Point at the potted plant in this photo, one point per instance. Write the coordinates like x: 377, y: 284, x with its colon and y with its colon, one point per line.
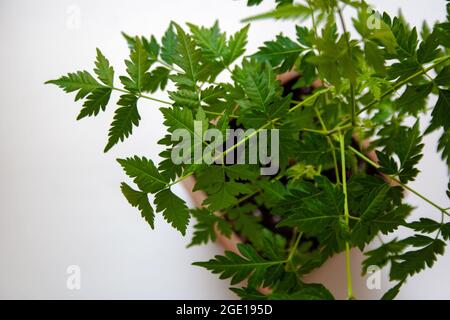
x: 288, y: 170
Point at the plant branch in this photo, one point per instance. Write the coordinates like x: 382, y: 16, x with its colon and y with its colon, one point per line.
x: 350, y: 57
x: 220, y: 114
x: 397, y: 85
x: 222, y: 154
x: 330, y: 142
x: 142, y: 96
x: 393, y: 178
x: 248, y: 137
x: 190, y: 173
x: 347, y: 216
x: 294, y: 247
x: 405, y: 81
x: 309, y: 99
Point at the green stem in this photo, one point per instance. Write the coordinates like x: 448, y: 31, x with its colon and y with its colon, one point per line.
x: 141, y: 96
x: 330, y: 142
x: 220, y: 114
x: 393, y: 178
x: 329, y: 132
x: 347, y: 217
x: 313, y: 18
x: 309, y: 99
x: 314, y: 131
x: 349, y: 272
x: 240, y: 142
x: 294, y: 247
x: 405, y: 81
x: 350, y: 57
x: 190, y: 173
x: 312, y: 97
x: 397, y: 85
x: 338, y: 129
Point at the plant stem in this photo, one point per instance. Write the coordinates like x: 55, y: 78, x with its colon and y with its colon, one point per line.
x: 190, y: 173
x: 350, y: 57
x: 310, y: 98
x: 142, y: 96
x: 393, y: 178
x: 397, y: 86
x: 337, y: 129
x: 314, y: 131
x: 347, y: 216
x: 349, y: 272
x: 294, y: 247
x: 330, y: 142
x: 219, y: 114
x: 313, y: 18
x: 405, y: 81
x: 248, y: 137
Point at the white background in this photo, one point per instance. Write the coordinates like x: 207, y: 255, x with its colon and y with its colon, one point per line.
x: 60, y: 202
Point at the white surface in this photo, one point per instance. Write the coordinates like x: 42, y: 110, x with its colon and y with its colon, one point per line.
x: 60, y: 202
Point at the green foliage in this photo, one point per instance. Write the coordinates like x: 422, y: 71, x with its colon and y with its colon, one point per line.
x: 173, y: 209
x: 411, y: 262
x: 304, y: 291
x: 157, y: 80
x: 84, y: 83
x: 393, y: 292
x: 249, y: 264
x: 103, y: 70
x: 169, y: 42
x: 382, y: 255
x: 317, y: 212
x: 282, y: 52
x: 219, y: 182
x: 137, y: 69
x: 330, y: 193
x: 440, y: 113
x: 144, y: 173
x: 125, y: 117
x: 187, y: 57
x: 139, y: 199
x: 205, y: 229
x: 408, y: 147
x: 80, y: 81
x: 287, y: 11
x: 236, y: 45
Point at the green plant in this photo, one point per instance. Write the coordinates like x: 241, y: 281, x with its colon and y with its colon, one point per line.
x: 323, y: 193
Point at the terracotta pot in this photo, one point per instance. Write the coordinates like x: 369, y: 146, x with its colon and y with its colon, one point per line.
x: 332, y: 273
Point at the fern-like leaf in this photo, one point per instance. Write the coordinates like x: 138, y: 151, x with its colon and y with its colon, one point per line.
x: 236, y: 45
x: 81, y: 81
x: 103, y: 69
x: 125, y: 117
x: 240, y: 267
x: 139, y: 199
x: 145, y: 174
x: 173, y: 209
x: 137, y: 69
